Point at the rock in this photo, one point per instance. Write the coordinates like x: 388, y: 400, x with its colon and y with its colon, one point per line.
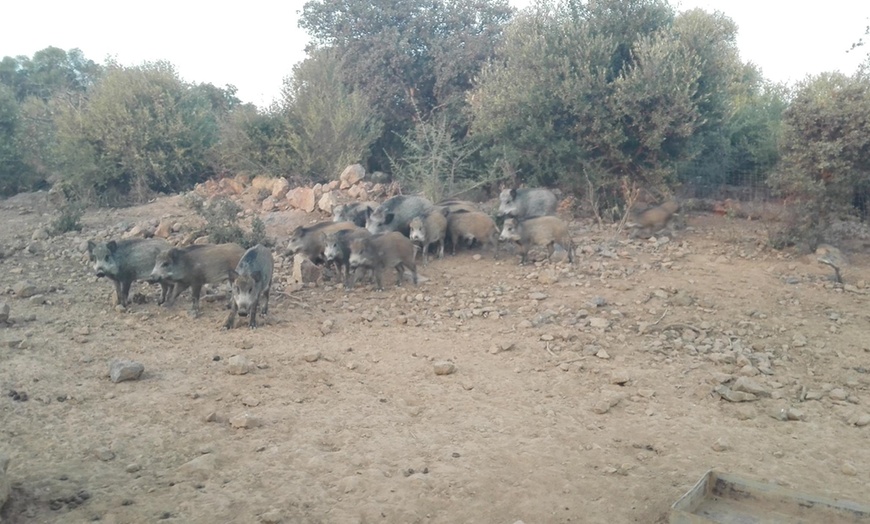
x: 559, y: 255
x: 200, y: 468
x: 720, y: 445
x: 501, y: 346
x: 311, y: 356
x: 269, y: 204
x: 239, y: 365
x: 205, y: 239
x: 326, y: 327
x: 40, y: 234
x: 602, y: 354
x: 244, y: 421
x: 273, y: 516
x: 121, y: 370
x: 280, y: 188
x: 747, y: 385
x: 136, y: 231
x: 327, y: 202
x: 599, y: 323
x: 537, y: 296
x: 164, y: 229
x: 104, y: 454
x: 301, y: 198
x: 133, y: 468
x: 730, y: 395
x: 24, y: 289
x: 304, y: 271
x: 263, y: 182
x: 5, y: 483
x: 351, y: 175
x: 798, y: 340
x: 838, y: 394
x: 358, y: 192
x: 606, y: 404
x: 859, y: 420
x: 849, y: 469
x: 35, y: 247
x: 444, y: 367
x: 233, y: 186
x: 4, y: 312
x: 620, y: 377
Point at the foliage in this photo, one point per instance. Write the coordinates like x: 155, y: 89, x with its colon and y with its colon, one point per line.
x: 825, y: 139
x: 221, y: 216
x: 585, y: 93
x: 254, y: 142
x: 69, y: 218
x: 327, y: 125
x: 141, y: 130
x: 408, y: 57
x: 12, y: 167
x: 434, y: 163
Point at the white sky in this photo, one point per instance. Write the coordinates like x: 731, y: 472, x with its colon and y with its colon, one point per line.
x: 253, y: 45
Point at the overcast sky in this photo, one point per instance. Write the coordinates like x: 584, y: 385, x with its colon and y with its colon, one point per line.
x: 253, y: 45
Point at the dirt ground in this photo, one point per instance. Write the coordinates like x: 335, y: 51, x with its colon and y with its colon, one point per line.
x: 584, y: 393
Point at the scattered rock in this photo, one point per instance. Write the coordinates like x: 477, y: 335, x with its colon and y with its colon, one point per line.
x: 301, y: 198
x: 311, y: 356
x: 501, y: 346
x: 730, y: 395
x: 268, y: 204
x: 351, y: 175
x: 602, y: 354
x: 747, y: 385
x: 40, y: 234
x: 859, y: 420
x: 599, y: 323
x: 200, y: 468
x: 327, y: 202
x: 849, y: 469
x: 239, y: 365
x: 305, y: 271
x: 606, y: 404
x: 164, y: 229
x: 620, y: 377
x: 537, y: 296
x: 273, y: 516
x: 280, y: 188
x: 121, y: 370
x: 326, y: 327
x: 24, y: 289
x: 444, y: 367
x: 720, y: 445
x: 104, y: 454
x: 244, y: 421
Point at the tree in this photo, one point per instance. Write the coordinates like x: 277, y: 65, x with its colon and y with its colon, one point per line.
x: 141, y: 130
x: 328, y: 124
x: 825, y: 139
x: 408, y: 57
x: 13, y: 171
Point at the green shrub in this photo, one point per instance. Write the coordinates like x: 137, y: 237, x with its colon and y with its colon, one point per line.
x: 69, y: 219
x: 221, y: 215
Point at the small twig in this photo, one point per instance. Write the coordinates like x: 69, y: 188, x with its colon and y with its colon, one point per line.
x: 547, y: 347
x: 679, y: 325
x: 573, y: 360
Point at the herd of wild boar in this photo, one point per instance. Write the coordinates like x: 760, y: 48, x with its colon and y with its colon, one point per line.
x: 361, y: 237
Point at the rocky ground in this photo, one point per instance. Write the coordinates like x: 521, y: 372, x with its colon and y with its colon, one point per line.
x: 598, y: 392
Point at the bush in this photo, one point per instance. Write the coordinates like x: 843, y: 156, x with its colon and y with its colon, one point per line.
x: 68, y: 220
x: 221, y: 216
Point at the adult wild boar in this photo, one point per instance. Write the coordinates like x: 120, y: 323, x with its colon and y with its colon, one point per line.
x: 194, y: 266
x: 251, y: 281
x: 124, y: 261
x: 396, y: 213
x: 526, y: 203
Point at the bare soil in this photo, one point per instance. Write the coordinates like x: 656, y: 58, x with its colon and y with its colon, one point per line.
x: 581, y: 393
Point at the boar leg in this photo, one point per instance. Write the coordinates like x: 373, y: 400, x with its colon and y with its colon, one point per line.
x: 252, y: 322
x: 195, y: 290
x: 119, y: 301
x: 266, y: 299
x: 379, y: 278
x: 400, y: 269
x: 177, y: 289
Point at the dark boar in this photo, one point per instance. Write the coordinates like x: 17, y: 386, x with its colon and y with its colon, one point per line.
x: 390, y: 250
x: 251, y: 281
x: 124, y: 261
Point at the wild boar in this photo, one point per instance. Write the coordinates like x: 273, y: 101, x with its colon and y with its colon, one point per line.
x: 427, y: 229
x: 396, y: 213
x: 470, y: 226
x: 356, y: 212
x: 124, y: 261
x: 309, y: 240
x: 390, y: 250
x: 526, y: 203
x: 337, y: 249
x: 539, y: 231
x: 251, y: 281
x: 195, y: 266
x: 653, y: 219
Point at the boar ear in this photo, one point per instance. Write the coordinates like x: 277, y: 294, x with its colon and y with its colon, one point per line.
x: 257, y: 276
x: 174, y: 253
x: 513, y: 193
x: 369, y: 211
x: 91, y: 246
x: 112, y: 246
x: 445, y: 211
x: 389, y: 217
x: 232, y: 275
